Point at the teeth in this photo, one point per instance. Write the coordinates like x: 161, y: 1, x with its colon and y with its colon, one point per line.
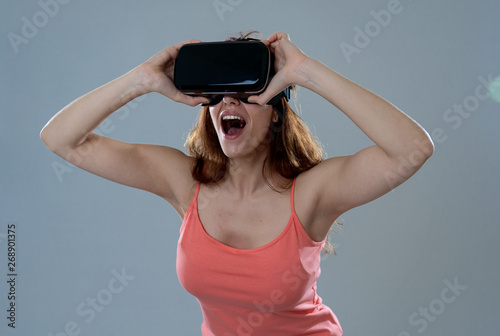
x: 231, y: 117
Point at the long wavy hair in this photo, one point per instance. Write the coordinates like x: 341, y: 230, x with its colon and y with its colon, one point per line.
x: 292, y: 148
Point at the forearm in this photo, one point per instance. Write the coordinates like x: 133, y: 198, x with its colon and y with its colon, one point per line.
x: 389, y: 128
x: 71, y: 126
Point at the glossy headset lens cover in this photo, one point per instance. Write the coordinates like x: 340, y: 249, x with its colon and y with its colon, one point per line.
x: 228, y: 67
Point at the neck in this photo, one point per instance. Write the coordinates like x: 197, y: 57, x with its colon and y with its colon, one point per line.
x: 245, y: 175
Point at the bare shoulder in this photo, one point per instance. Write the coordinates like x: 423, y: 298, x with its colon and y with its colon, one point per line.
x: 342, y: 183
x: 172, y: 171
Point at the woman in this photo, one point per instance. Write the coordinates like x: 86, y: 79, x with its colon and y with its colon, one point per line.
x: 255, y: 218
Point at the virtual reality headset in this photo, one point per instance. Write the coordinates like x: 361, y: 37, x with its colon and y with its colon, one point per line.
x: 230, y: 68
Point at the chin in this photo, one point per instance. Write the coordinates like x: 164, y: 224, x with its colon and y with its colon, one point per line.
x: 235, y: 151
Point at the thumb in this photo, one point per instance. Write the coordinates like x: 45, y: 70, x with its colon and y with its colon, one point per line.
x: 194, y: 100
x: 272, y: 90
x: 180, y: 97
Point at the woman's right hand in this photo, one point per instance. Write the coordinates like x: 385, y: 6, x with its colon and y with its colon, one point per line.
x: 158, y: 74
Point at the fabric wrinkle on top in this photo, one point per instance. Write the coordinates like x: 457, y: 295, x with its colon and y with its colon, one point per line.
x: 268, y: 290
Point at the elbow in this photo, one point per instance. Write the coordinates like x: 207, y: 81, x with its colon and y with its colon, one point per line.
x: 45, y: 138
x: 427, y: 147
x: 423, y: 150
x: 416, y: 154
x: 48, y: 139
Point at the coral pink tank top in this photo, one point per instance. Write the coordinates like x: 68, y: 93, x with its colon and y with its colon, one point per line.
x: 268, y: 290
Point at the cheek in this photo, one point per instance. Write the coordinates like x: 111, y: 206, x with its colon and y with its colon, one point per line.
x: 262, y: 115
x: 262, y: 131
x: 260, y: 128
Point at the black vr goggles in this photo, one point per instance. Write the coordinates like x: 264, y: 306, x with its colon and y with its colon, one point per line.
x: 230, y: 68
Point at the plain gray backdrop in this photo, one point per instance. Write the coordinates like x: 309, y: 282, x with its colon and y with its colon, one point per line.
x: 421, y: 260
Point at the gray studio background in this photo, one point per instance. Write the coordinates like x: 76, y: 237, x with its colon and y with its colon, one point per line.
x: 422, y: 260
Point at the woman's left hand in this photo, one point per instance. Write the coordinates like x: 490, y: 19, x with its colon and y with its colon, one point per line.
x: 288, y: 65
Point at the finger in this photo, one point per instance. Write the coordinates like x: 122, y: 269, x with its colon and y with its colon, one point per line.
x: 188, y: 42
x: 201, y: 100
x: 179, y: 45
x: 272, y: 90
x: 192, y: 100
x: 273, y: 38
x: 278, y: 36
x: 180, y: 97
x: 277, y: 41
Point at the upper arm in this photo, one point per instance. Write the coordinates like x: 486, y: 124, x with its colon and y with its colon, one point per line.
x: 356, y: 179
x: 162, y: 170
x: 339, y: 184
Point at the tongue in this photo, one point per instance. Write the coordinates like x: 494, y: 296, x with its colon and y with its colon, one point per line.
x: 234, y: 130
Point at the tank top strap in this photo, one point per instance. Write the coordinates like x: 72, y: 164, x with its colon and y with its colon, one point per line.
x: 292, y: 196
x: 192, y: 210
x: 194, y: 202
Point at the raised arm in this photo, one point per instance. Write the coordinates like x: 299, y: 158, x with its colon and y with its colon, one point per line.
x: 158, y: 169
x: 338, y: 184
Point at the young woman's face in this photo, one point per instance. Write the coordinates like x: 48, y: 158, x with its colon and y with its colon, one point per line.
x: 243, y: 129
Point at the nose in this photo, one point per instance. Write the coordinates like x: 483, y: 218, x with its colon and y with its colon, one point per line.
x: 229, y: 99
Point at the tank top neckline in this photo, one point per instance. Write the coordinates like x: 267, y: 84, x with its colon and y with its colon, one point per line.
x: 293, y: 219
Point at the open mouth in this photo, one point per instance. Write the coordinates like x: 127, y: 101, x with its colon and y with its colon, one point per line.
x: 232, y: 124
